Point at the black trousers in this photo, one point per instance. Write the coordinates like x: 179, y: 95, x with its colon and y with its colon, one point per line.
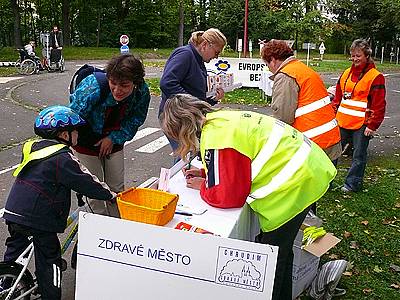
x: 47, y: 256
x: 283, y: 237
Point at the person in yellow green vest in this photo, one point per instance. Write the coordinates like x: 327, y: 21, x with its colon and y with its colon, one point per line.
x: 40, y: 198
x: 253, y: 158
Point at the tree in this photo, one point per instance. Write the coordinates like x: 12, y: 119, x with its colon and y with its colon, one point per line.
x: 17, y: 23
x: 66, y: 23
x: 181, y: 22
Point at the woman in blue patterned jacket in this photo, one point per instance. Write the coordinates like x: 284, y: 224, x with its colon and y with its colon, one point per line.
x: 114, y: 104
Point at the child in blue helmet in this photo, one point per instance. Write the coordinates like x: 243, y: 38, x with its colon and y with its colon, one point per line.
x: 40, y: 198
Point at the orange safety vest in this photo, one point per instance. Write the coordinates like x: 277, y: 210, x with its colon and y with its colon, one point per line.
x: 314, y: 115
x: 353, y: 106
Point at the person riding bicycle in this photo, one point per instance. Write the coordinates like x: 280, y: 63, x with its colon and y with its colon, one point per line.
x: 40, y: 198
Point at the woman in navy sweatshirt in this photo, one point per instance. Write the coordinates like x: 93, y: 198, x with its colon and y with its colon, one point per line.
x: 185, y: 72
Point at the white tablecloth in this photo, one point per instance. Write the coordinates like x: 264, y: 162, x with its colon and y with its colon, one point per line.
x: 237, y: 223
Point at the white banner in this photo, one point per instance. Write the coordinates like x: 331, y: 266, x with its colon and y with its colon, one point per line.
x: 245, y: 70
x: 119, y: 259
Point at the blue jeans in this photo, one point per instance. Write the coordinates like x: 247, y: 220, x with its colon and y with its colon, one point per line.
x: 360, y: 143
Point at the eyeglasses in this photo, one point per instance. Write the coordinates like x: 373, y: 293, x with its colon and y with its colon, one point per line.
x: 217, y: 52
x: 211, y: 45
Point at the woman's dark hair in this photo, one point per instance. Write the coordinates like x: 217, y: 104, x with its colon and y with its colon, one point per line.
x: 277, y: 49
x: 125, y: 67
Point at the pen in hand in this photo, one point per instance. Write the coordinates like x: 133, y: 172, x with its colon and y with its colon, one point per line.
x: 183, y: 213
x: 187, y: 169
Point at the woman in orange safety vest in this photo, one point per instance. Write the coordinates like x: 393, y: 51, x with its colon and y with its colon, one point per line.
x: 360, y: 109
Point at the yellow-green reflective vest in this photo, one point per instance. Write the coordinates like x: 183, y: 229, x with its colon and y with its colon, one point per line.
x: 289, y: 172
x: 28, y: 155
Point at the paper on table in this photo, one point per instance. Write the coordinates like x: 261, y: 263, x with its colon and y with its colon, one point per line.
x: 177, y: 167
x: 189, y: 209
x: 163, y: 183
x: 226, y: 89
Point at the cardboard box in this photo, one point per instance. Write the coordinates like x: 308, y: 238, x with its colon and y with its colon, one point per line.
x: 306, y: 261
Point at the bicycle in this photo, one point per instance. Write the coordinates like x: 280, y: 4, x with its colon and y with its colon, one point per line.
x: 16, y: 281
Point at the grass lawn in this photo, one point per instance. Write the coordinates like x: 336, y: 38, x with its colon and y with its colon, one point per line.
x: 156, y: 57
x: 368, y: 223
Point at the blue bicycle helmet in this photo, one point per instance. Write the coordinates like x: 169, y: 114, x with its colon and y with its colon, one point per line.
x: 55, y: 119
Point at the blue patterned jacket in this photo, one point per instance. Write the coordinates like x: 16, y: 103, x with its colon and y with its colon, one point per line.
x: 87, y: 102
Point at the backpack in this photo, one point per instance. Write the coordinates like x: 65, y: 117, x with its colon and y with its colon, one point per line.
x: 87, y: 70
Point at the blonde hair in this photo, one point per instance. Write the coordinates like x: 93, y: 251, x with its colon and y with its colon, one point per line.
x: 182, y: 120
x: 364, y: 46
x: 212, y: 35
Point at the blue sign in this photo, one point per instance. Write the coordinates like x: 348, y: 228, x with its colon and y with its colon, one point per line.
x: 124, y: 49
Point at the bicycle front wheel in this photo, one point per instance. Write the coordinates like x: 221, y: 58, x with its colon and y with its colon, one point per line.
x: 27, y: 67
x: 8, y: 274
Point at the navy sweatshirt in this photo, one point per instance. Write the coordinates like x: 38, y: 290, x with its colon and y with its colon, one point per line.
x: 184, y: 73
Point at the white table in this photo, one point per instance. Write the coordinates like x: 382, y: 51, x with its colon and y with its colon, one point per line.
x: 236, y: 223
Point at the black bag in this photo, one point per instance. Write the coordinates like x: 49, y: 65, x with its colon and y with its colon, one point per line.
x: 87, y: 70
x: 87, y: 137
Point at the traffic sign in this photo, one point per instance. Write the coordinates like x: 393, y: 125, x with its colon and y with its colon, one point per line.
x: 239, y: 45
x: 309, y: 46
x: 124, y: 49
x: 124, y: 40
x: 322, y: 48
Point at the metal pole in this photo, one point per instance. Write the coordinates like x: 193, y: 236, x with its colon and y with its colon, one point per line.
x: 308, y: 52
x: 246, y: 15
x: 383, y: 49
x: 397, y: 56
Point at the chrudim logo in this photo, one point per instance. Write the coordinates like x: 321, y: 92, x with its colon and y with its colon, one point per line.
x: 241, y: 269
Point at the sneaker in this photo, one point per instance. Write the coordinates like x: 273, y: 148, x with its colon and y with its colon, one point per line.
x: 346, y: 189
x: 338, y: 292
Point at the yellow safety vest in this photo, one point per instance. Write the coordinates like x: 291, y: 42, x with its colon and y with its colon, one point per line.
x: 289, y: 172
x: 29, y: 156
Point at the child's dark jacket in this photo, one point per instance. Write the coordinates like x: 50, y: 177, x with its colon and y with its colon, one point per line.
x: 41, y: 194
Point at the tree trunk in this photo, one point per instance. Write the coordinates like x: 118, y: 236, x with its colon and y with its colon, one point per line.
x: 98, y: 27
x: 181, y: 23
x: 193, y: 16
x: 66, y: 23
x: 17, y: 24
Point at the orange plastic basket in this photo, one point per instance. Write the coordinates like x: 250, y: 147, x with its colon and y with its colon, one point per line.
x: 147, y: 205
